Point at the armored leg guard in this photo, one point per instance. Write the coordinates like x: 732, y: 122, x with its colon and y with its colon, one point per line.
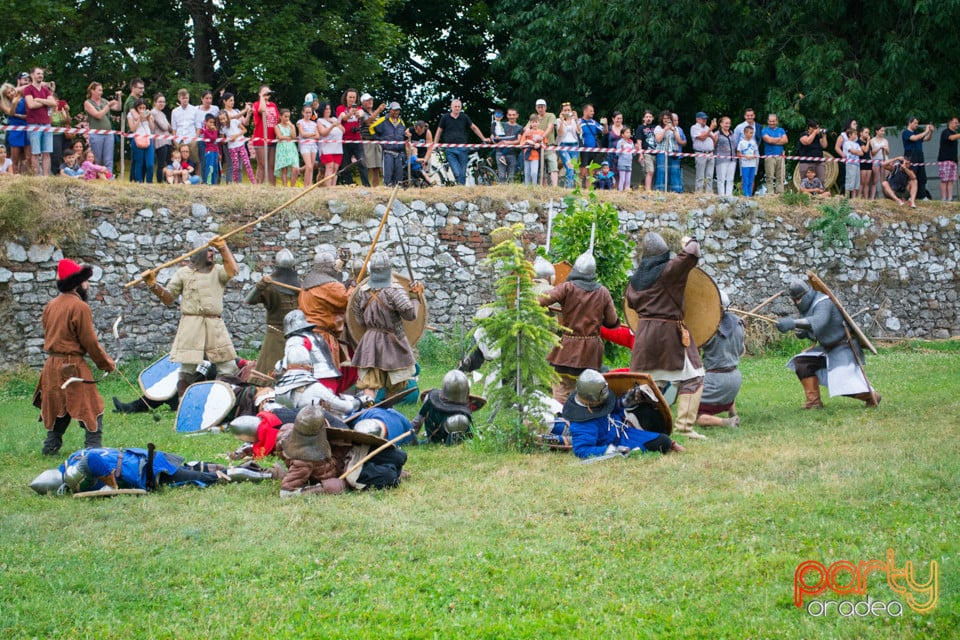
x: 811, y: 389
x: 54, y: 440
x: 687, y: 406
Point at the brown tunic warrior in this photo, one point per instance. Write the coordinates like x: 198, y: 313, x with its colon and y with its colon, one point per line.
x: 68, y: 335
x: 663, y: 346
x: 323, y: 301
x: 278, y: 295
x: 587, y: 305
x: 383, y: 355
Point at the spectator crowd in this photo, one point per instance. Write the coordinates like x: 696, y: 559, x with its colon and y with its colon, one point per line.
x: 218, y: 141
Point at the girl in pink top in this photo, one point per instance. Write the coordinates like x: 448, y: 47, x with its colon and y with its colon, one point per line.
x: 93, y: 171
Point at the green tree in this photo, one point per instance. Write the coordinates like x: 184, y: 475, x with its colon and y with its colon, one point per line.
x: 524, y: 332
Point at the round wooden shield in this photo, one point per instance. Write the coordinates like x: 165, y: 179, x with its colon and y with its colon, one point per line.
x: 830, y: 173
x: 702, y: 310
x: 413, y: 328
x: 561, y: 270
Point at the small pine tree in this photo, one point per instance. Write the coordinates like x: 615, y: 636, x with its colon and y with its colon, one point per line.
x: 524, y: 332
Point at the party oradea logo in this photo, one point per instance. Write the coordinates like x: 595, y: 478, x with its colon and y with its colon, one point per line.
x: 851, y: 582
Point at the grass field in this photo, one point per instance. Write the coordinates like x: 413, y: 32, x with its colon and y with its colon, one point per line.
x: 510, y: 545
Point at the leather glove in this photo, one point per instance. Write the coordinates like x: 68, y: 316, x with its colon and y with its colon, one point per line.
x: 149, y: 278
x: 217, y: 242
x: 786, y: 324
x: 415, y: 290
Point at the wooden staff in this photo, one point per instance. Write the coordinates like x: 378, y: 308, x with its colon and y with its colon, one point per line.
x: 270, y: 280
x: 376, y: 238
x: 186, y: 255
x: 749, y: 314
x: 375, y: 452
x: 767, y: 301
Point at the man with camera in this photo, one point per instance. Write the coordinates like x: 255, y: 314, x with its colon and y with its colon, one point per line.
x: 811, y: 145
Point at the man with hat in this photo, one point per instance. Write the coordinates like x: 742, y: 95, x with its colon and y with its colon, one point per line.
x: 278, y: 293
x: 372, y: 153
x: 69, y: 335
x: 704, y: 144
x: 599, y: 424
x: 663, y: 346
x: 391, y: 129
x: 722, y: 380
x: 446, y: 411
x: 201, y: 334
x: 587, y: 305
x: 832, y: 361
x: 548, y: 124
x: 316, y: 454
x: 383, y: 354
x: 323, y: 301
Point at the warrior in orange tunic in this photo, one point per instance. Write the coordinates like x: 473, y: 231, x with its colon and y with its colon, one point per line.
x: 68, y: 335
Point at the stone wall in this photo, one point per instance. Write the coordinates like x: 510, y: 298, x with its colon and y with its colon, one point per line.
x: 902, y: 276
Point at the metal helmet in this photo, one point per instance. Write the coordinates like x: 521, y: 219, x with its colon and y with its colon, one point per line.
x: 245, y: 428
x: 326, y: 262
x: 457, y: 423
x: 653, y: 245
x: 308, y: 440
x: 455, y: 388
x: 586, y: 265
x: 295, y: 322
x: 371, y: 426
x: 543, y: 270
x: 49, y: 481
x: 381, y: 271
x: 285, y: 259
x: 592, y: 388
x: 802, y: 294
x: 724, y: 299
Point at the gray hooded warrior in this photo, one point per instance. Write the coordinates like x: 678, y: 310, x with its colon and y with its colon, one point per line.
x: 721, y: 358
x: 201, y: 335
x: 383, y: 355
x: 663, y: 346
x: 831, y: 362
x: 587, y: 305
x: 306, y: 375
x: 278, y: 294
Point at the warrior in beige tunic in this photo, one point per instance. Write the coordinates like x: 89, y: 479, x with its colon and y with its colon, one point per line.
x: 201, y: 335
x: 69, y: 335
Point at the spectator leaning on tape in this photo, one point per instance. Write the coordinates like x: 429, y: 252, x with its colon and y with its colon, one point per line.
x: 372, y: 153
x: 453, y: 130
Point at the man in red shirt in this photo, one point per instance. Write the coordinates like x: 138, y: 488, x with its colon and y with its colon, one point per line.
x: 39, y: 102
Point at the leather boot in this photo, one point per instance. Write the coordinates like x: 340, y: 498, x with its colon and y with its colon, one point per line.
x: 871, y: 398
x: 137, y: 406
x: 54, y: 439
x: 93, y: 439
x: 185, y: 380
x: 811, y: 388
x: 687, y: 406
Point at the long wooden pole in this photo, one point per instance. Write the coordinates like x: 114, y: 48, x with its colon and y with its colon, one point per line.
x: 740, y: 312
x: 376, y: 237
x: 186, y: 255
x: 386, y: 445
x: 767, y: 301
x: 270, y: 280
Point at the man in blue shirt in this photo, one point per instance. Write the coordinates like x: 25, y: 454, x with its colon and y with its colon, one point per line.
x: 774, y: 139
x: 590, y: 132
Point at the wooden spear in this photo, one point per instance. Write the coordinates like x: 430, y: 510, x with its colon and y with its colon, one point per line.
x: 375, y: 452
x: 740, y: 312
x: 270, y: 280
x: 767, y: 301
x: 376, y: 237
x: 253, y: 223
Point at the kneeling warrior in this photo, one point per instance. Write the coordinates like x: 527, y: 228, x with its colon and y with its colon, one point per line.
x: 306, y: 372
x: 446, y: 411
x: 831, y: 362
